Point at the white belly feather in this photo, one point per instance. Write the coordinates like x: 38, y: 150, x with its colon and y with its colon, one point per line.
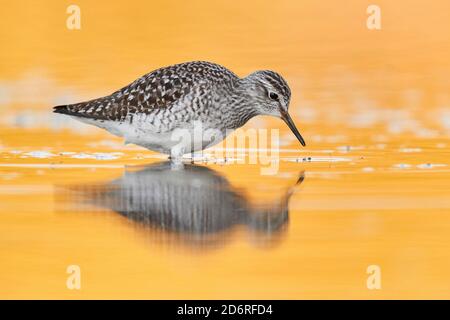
x: 185, y: 138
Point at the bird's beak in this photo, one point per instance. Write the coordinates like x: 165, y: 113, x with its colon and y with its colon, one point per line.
x: 287, y: 118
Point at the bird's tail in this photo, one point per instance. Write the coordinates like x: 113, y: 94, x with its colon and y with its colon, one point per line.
x: 65, y: 109
x: 78, y: 109
x: 94, y: 109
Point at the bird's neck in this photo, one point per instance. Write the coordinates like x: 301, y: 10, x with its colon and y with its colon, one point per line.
x: 239, y: 106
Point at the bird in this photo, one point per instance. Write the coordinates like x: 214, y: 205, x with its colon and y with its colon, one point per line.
x: 166, y: 108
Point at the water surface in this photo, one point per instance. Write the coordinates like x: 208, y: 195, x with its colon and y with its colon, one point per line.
x: 371, y: 188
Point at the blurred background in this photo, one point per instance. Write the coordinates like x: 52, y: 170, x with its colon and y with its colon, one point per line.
x: 372, y: 105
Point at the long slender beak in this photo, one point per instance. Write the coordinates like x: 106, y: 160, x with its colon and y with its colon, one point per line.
x: 287, y: 118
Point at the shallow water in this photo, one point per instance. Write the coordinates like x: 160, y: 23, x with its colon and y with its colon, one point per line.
x: 370, y: 188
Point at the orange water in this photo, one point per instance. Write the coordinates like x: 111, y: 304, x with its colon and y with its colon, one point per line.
x: 373, y: 106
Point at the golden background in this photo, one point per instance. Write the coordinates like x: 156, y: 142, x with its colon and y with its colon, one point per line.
x: 379, y: 99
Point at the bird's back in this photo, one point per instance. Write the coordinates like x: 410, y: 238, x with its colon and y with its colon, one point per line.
x: 159, y: 89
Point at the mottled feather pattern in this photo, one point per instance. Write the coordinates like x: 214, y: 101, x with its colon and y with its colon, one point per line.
x: 159, y: 89
x: 277, y: 82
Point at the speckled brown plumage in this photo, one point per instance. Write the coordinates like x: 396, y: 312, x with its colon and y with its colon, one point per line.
x: 159, y: 89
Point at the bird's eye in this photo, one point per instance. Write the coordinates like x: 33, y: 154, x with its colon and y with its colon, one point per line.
x: 273, y: 96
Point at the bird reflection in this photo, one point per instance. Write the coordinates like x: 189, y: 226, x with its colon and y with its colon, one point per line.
x: 189, y: 200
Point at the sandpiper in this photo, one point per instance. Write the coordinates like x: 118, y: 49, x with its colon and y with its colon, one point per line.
x: 158, y: 109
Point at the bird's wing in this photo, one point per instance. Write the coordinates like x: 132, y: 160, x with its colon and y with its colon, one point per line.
x: 159, y: 89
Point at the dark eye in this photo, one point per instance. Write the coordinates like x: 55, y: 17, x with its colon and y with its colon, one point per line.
x: 273, y: 96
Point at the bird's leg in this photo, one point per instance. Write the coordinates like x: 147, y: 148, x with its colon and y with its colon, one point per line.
x: 177, y: 152
x: 176, y: 164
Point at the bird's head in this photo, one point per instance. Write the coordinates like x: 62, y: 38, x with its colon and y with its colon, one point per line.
x: 270, y: 95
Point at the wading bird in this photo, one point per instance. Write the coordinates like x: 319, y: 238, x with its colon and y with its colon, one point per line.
x: 162, y: 108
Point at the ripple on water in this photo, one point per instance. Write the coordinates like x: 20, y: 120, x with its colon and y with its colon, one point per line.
x: 318, y: 159
x: 97, y: 155
x: 430, y: 165
x: 38, y: 154
x: 420, y: 166
x: 410, y: 150
x: 402, y: 166
x: 345, y: 149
